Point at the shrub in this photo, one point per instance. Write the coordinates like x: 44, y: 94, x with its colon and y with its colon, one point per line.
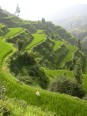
x: 26, y: 79
x: 26, y: 69
x: 39, y: 74
x: 67, y: 86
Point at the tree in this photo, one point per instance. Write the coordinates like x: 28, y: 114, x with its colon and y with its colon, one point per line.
x: 68, y: 86
x: 19, y: 44
x: 79, y: 44
x: 43, y: 21
x: 84, y: 44
x: 78, y: 71
x: 17, y: 10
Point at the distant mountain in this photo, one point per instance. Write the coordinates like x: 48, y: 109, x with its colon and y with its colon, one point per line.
x: 72, y: 17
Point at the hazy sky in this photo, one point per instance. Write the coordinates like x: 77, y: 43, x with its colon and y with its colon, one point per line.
x: 36, y: 9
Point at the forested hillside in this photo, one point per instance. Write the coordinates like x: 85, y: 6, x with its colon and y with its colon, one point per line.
x: 42, y: 69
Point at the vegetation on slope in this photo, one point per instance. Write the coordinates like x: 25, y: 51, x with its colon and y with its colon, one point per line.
x: 68, y: 86
x: 10, y: 107
x: 47, y: 54
x: 13, y: 32
x: 26, y: 69
x: 13, y: 21
x: 4, y: 50
x: 60, y: 104
x: 68, y: 57
x: 38, y: 38
x: 18, y: 36
x: 53, y: 102
x: 57, y: 45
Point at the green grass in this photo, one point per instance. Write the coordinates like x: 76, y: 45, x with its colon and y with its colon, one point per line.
x: 12, y: 32
x: 40, y: 32
x: 54, y: 74
x: 20, y: 107
x: 38, y: 38
x: 61, y: 104
x: 57, y: 44
x: 47, y: 102
x: 85, y: 82
x: 4, y: 50
x: 1, y: 25
x: 71, y: 50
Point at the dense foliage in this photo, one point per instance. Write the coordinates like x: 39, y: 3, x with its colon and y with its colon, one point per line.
x: 25, y: 68
x: 67, y: 86
x: 48, y: 57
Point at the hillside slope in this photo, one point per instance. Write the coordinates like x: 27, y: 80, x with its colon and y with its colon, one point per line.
x: 31, y: 57
x: 58, y: 103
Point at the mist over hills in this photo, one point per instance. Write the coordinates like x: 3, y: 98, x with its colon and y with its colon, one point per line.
x: 74, y: 16
x: 70, y: 17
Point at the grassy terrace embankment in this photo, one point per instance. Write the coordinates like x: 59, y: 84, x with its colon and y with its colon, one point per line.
x: 38, y: 38
x: 61, y: 104
x: 10, y: 84
x: 4, y: 50
x: 57, y: 44
x: 12, y: 32
x: 55, y: 74
x: 68, y: 56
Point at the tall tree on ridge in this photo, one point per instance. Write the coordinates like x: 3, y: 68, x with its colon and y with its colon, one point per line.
x: 17, y: 10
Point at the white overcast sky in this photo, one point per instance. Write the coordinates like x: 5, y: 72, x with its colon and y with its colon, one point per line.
x: 36, y: 9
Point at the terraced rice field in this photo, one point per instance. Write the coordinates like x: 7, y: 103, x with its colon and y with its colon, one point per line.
x: 12, y: 32
x: 71, y: 50
x: 57, y: 44
x: 4, y: 50
x: 38, y: 38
